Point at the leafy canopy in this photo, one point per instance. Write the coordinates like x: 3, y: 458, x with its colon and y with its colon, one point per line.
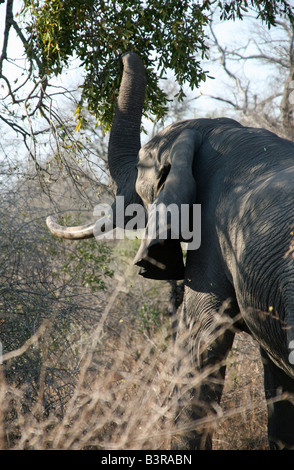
x: 167, y: 34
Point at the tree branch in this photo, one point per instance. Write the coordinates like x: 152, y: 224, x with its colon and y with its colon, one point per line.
x: 8, y: 24
x: 241, y: 89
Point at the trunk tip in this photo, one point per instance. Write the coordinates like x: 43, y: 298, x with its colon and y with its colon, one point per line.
x: 131, y: 59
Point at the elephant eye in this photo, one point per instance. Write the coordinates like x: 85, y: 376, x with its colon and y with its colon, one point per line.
x: 163, y: 175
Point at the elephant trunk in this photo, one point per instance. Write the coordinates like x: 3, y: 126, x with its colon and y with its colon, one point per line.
x: 124, y: 141
x: 124, y: 145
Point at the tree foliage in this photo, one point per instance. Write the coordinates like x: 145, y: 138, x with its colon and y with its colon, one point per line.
x: 167, y: 34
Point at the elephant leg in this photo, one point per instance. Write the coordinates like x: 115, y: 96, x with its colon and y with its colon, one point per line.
x: 280, y: 412
x: 204, y: 341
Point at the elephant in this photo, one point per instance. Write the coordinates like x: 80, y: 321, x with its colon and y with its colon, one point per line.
x: 243, y: 179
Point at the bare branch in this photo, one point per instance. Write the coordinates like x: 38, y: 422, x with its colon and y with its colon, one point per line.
x: 263, y: 107
x: 30, y: 342
x: 224, y: 100
x: 8, y: 24
x: 243, y: 91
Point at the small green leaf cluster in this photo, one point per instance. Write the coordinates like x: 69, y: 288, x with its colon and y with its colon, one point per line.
x: 149, y: 319
x: 88, y: 263
x: 91, y: 262
x: 267, y: 10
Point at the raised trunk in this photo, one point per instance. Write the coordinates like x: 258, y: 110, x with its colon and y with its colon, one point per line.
x: 123, y: 148
x: 124, y: 141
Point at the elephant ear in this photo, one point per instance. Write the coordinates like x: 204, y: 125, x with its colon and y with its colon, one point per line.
x: 160, y: 254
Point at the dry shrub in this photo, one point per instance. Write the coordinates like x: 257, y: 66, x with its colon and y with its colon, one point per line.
x: 126, y: 405
x: 128, y: 400
x: 128, y: 387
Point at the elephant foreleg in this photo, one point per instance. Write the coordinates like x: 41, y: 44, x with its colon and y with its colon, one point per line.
x: 204, y: 342
x: 280, y: 411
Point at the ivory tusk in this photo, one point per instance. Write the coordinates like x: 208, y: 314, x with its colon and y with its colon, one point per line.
x: 72, y: 233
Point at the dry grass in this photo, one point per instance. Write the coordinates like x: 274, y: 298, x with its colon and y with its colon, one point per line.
x: 128, y: 401
x: 124, y: 396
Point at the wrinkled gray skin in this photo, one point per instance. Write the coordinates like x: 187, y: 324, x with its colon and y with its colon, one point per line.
x: 244, y: 180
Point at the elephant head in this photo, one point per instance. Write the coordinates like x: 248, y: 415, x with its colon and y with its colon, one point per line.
x: 155, y: 173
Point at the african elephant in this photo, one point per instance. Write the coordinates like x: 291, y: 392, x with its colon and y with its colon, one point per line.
x: 243, y: 178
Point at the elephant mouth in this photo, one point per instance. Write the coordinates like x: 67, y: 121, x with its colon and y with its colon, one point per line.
x: 161, y: 260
